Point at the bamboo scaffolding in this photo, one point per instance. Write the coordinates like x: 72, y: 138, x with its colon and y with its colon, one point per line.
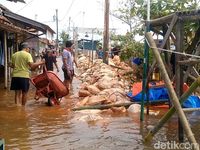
x: 177, y: 106
x: 166, y: 37
x: 162, y: 20
x: 191, y: 109
x: 189, y: 65
x: 189, y: 62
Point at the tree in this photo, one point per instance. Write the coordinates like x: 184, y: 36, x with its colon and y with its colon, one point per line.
x: 64, y: 37
x: 134, y: 12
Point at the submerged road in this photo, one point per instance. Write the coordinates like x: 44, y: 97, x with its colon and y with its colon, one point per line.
x: 40, y: 127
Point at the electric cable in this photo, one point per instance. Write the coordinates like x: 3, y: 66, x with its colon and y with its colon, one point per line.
x: 25, y: 6
x: 69, y: 8
x: 172, y: 51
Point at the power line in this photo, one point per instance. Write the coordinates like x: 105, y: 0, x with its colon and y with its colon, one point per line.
x: 172, y: 51
x: 25, y: 6
x: 69, y: 8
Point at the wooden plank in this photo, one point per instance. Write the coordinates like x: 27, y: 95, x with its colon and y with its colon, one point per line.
x: 162, y: 20
x: 166, y: 37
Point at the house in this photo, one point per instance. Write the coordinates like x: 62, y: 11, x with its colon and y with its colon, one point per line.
x: 15, y: 29
x: 87, y: 44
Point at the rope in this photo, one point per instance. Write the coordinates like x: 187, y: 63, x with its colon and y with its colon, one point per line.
x: 172, y: 51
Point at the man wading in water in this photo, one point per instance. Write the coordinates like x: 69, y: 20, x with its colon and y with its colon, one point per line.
x: 22, y: 62
x: 67, y: 67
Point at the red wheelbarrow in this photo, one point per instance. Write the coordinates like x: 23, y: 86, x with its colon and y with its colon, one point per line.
x: 49, y: 85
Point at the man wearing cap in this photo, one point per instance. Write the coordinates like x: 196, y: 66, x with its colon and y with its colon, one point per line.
x: 22, y: 63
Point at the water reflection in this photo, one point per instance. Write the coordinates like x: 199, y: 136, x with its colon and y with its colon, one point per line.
x: 37, y: 126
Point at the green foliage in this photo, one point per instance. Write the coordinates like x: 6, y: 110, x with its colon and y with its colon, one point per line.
x: 161, y: 8
x: 64, y: 37
x: 129, y: 47
x: 132, y: 49
x: 133, y: 12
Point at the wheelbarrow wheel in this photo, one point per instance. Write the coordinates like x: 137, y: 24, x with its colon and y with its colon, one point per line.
x: 53, y: 101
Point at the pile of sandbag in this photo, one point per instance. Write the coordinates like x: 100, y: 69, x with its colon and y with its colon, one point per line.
x: 102, y: 83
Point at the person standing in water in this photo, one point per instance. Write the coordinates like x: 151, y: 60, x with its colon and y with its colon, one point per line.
x: 22, y: 63
x: 67, y: 67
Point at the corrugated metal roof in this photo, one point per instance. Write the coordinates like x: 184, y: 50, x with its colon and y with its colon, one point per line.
x: 29, y: 25
x: 9, y: 26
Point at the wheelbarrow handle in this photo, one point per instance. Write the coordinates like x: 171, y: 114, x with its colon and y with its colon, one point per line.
x: 44, y: 68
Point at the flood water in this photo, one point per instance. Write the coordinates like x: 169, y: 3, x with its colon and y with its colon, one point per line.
x: 40, y: 127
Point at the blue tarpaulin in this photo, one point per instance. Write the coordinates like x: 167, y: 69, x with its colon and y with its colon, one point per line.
x: 160, y: 93
x: 137, y: 60
x: 192, y: 102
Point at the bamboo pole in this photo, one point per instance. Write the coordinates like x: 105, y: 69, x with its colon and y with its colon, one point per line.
x: 165, y: 38
x: 191, y: 109
x: 171, y: 91
x: 172, y: 110
x: 162, y: 20
x: 104, y: 106
x: 107, y: 106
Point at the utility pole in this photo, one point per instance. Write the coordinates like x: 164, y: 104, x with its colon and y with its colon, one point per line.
x: 106, y: 32
x: 69, y: 25
x: 56, y: 29
x: 145, y: 69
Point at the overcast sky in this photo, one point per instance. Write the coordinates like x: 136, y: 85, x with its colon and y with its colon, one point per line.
x: 83, y: 13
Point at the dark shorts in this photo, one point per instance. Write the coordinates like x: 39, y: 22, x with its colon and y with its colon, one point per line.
x: 68, y: 74
x: 18, y: 83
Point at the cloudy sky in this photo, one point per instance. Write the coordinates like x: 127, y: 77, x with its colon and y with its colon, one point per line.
x: 83, y: 13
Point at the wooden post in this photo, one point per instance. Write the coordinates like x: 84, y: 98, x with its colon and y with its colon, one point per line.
x: 9, y: 69
x: 106, y: 32
x: 179, y: 71
x: 171, y: 91
x: 5, y: 61
x: 57, y: 42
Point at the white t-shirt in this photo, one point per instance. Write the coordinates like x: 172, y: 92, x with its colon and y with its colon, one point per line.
x: 67, y: 55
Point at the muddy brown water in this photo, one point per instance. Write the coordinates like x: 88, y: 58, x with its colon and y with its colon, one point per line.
x: 40, y: 127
